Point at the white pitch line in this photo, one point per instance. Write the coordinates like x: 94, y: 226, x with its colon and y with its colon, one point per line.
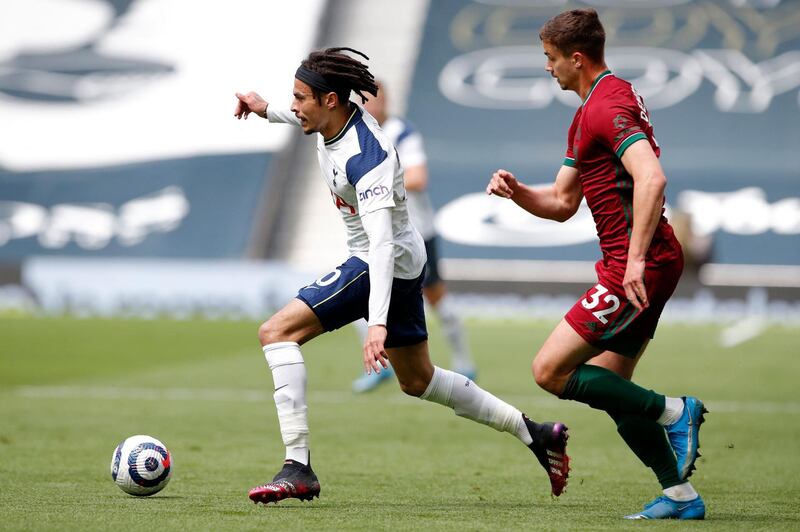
x: 336, y: 397
x: 742, y: 331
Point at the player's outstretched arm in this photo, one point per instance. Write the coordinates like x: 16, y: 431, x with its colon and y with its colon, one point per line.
x: 253, y: 103
x: 250, y: 102
x: 558, y: 201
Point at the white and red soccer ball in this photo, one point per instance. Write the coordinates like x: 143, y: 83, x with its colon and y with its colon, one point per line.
x: 141, y: 465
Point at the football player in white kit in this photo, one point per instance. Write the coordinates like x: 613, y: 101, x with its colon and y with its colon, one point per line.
x: 380, y: 281
x: 411, y: 149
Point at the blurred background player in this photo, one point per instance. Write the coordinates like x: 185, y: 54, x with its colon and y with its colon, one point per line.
x: 409, y: 144
x: 381, y: 280
x: 612, y: 161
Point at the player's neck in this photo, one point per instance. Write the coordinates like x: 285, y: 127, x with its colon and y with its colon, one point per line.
x: 339, y: 118
x: 588, y: 78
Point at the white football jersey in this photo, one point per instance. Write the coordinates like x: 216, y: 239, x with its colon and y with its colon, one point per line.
x: 362, y: 170
x: 411, y: 150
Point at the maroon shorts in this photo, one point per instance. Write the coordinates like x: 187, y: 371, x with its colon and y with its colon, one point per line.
x: 607, y: 320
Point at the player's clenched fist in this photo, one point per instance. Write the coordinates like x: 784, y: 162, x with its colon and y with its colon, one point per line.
x: 503, y: 184
x: 250, y: 103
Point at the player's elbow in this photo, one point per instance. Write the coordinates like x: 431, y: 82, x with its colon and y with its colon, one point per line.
x: 660, y: 181
x: 656, y: 181
x: 567, y: 210
x: 563, y: 215
x: 383, y: 248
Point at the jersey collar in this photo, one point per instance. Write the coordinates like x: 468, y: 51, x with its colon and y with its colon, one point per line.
x: 347, y: 125
x: 602, y: 75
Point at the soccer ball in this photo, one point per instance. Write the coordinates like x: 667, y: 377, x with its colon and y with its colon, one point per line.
x: 141, y: 465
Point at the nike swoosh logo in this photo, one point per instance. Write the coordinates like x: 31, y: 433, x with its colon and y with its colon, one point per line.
x: 279, y: 387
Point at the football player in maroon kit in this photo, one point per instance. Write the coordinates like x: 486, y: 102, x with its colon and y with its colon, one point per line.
x: 612, y: 161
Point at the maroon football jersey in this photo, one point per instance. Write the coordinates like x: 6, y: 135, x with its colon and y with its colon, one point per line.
x: 613, y: 117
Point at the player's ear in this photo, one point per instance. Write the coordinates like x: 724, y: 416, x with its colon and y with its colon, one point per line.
x: 331, y: 101
x: 577, y: 59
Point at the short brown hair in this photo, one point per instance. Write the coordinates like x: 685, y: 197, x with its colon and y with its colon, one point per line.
x: 578, y: 30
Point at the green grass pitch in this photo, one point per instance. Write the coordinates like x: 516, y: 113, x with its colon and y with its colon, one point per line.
x: 70, y: 390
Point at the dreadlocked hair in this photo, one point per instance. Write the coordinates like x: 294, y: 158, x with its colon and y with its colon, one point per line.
x: 343, y: 71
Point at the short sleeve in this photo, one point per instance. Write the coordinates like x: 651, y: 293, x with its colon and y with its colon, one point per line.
x: 569, y: 156
x: 370, y: 155
x: 376, y: 190
x: 372, y: 172
x: 618, y: 125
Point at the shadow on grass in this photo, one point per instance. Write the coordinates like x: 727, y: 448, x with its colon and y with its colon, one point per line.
x: 764, y: 519
x: 152, y: 498
x: 417, y: 507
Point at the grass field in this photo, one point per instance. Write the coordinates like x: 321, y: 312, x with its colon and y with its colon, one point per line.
x: 70, y: 390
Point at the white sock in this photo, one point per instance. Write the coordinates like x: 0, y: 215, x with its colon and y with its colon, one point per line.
x: 456, y: 336
x: 361, y: 328
x: 673, y: 410
x: 468, y: 400
x: 681, y: 493
x: 289, y: 377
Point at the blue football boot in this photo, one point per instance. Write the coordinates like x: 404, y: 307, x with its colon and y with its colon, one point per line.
x: 368, y: 382
x: 684, y: 435
x: 665, y: 508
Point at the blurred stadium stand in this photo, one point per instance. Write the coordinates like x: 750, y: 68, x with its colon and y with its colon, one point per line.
x: 117, y: 140
x: 721, y: 79
x: 721, y: 83
x: 118, y: 137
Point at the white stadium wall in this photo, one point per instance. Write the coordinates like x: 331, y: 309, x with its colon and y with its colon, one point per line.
x: 117, y: 135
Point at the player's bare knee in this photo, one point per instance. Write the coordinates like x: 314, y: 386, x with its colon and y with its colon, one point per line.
x: 545, y: 376
x: 269, y: 332
x: 538, y: 370
x: 413, y: 387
